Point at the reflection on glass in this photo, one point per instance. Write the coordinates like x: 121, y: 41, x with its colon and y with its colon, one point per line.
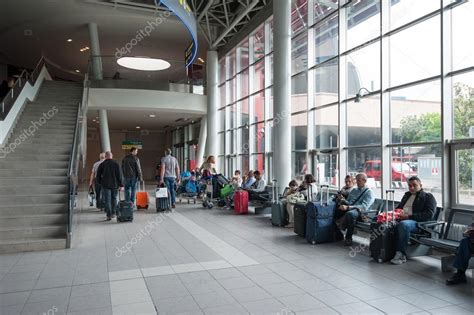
x: 363, y: 69
x: 245, y: 144
x: 415, y: 113
x: 244, y: 111
x: 363, y: 122
x: 270, y: 105
x: 259, y: 76
x: 363, y: 22
x: 232, y: 116
x: 299, y: 128
x: 258, y: 43
x: 326, y: 121
x: 259, y: 138
x: 299, y: 165
x: 258, y: 107
x: 222, y: 72
x: 405, y: 11
x: 461, y: 36
x: 270, y: 40
x: 326, y: 40
x: 299, y: 92
x: 222, y: 95
x: 463, y: 105
x: 299, y: 15
x: 244, y: 83
x: 323, y: 9
x: 326, y: 168
x: 299, y: 53
x: 231, y: 64
x: 221, y: 115
x: 326, y: 83
x: 465, y: 175
x: 222, y: 143
x: 366, y: 160
x: 244, y: 54
x: 259, y: 162
x: 415, y: 52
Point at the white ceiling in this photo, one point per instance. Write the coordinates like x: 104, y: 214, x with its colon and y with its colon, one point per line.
x: 29, y: 28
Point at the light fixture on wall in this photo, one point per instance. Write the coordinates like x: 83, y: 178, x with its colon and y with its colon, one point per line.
x: 359, y: 94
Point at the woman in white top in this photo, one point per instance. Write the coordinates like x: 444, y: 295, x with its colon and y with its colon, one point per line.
x: 309, y: 186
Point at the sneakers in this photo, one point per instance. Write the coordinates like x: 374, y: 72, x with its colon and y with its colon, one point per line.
x: 348, y: 242
x: 457, y: 278
x: 399, y: 259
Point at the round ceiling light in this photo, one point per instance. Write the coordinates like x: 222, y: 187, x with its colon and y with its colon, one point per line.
x: 143, y: 63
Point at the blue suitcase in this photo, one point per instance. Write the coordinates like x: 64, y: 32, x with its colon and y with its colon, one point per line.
x: 320, y: 227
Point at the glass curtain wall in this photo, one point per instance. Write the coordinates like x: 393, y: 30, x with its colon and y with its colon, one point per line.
x: 378, y: 86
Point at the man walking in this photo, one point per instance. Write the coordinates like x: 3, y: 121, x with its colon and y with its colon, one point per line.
x: 95, y: 184
x: 132, y: 174
x: 110, y: 179
x: 169, y: 173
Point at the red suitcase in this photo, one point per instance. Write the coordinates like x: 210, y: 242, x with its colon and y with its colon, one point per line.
x: 241, y: 202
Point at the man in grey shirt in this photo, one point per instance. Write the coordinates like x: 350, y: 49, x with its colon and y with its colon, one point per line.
x: 169, y: 173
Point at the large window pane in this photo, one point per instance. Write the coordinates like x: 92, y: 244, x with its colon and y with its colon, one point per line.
x: 299, y: 129
x: 326, y: 121
x: 270, y: 40
x: 463, y: 105
x: 259, y: 76
x: 415, y: 113
x: 421, y: 161
x: 363, y: 69
x: 259, y: 138
x: 299, y: 165
x: 244, y: 83
x: 462, y: 25
x: 299, y: 53
x: 244, y: 111
x: 222, y: 70
x: 415, y: 52
x: 258, y: 43
x: 244, y: 54
x: 222, y: 143
x: 270, y: 70
x: 363, y: 122
x: 244, y: 133
x: 258, y: 107
x: 259, y: 162
x: 363, y: 22
x: 326, y: 40
x: 326, y: 169
x: 270, y: 104
x: 299, y: 15
x: 465, y: 175
x: 231, y: 64
x: 405, y: 11
x: 323, y: 9
x: 221, y: 115
x: 327, y: 84
x: 232, y: 116
x: 366, y: 160
x: 299, y: 92
x: 245, y: 164
x: 222, y: 95
x: 231, y: 90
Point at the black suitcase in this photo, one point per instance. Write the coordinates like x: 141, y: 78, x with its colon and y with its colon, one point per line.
x: 299, y: 211
x: 164, y: 203
x: 382, y: 236
x: 124, y: 211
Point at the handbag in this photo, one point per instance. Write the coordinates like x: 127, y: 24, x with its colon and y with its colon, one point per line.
x: 161, y: 192
x: 296, y: 198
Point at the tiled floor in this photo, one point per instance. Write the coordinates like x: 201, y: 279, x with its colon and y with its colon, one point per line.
x: 196, y: 261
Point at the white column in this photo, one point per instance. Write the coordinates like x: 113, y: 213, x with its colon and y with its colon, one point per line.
x: 202, y: 142
x: 95, y: 51
x: 104, y: 130
x: 212, y: 140
x: 282, y: 92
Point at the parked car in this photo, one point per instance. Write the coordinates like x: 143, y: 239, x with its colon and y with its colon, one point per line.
x: 401, y: 171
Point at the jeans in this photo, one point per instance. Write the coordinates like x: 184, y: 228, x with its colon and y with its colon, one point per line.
x: 98, y: 196
x: 465, y: 250
x: 350, y: 221
x: 170, y: 184
x: 110, y: 200
x: 130, y: 189
x: 404, y: 228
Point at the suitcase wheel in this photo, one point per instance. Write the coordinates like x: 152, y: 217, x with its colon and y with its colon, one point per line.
x: 210, y: 205
x: 313, y: 242
x: 146, y: 207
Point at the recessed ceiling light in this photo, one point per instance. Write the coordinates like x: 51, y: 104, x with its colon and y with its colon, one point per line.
x: 77, y: 71
x: 152, y: 115
x: 69, y: 40
x: 93, y: 120
x: 138, y: 127
x: 201, y: 60
x: 83, y: 49
x: 143, y: 63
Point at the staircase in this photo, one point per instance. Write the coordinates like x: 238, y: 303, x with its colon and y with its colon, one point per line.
x: 33, y: 177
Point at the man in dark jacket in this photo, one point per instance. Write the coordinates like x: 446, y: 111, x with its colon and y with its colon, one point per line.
x: 110, y: 179
x: 463, y: 255
x: 132, y: 174
x: 418, y: 206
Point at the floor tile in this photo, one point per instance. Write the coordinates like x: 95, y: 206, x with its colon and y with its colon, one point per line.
x: 235, y: 283
x: 451, y: 310
x: 231, y: 309
x: 393, y: 305
x: 62, y: 293
x: 424, y: 301
x: 81, y: 303
x: 157, y: 271
x: 214, y: 299
x: 282, y: 289
x: 17, y: 298
x: 357, y: 308
x: 125, y: 274
x: 176, y: 305
x: 366, y: 292
x: 225, y: 273
x: 267, y: 306
x: 301, y: 302
x: 335, y: 297
x: 136, y: 308
x: 249, y: 294
x: 96, y: 311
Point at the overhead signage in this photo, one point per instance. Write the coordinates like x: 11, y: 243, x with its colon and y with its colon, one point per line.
x: 128, y: 144
x: 186, y: 15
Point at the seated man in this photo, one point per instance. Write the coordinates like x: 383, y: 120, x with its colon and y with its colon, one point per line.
x: 359, y: 200
x: 258, y: 188
x: 248, y: 181
x: 461, y: 261
x: 418, y: 206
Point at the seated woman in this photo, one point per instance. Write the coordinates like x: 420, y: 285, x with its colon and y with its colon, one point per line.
x: 208, y: 168
x: 237, y: 179
x: 309, y: 186
x: 292, y: 196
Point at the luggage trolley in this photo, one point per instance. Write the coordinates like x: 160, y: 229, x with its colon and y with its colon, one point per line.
x: 206, y: 200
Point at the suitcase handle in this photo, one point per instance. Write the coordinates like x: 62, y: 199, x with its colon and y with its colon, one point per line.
x: 387, y: 198
x: 275, y: 191
x: 327, y: 193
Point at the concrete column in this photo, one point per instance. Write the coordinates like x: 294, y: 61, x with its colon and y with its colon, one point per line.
x: 95, y: 51
x: 202, y: 142
x: 212, y: 140
x: 186, y: 146
x: 104, y: 130
x: 282, y: 92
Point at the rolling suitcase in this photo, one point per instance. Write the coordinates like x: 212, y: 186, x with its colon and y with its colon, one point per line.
x: 382, y: 236
x: 278, y: 208
x: 320, y: 227
x: 241, y: 202
x: 299, y: 211
x: 162, y: 196
x: 124, y: 211
x: 142, y: 198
